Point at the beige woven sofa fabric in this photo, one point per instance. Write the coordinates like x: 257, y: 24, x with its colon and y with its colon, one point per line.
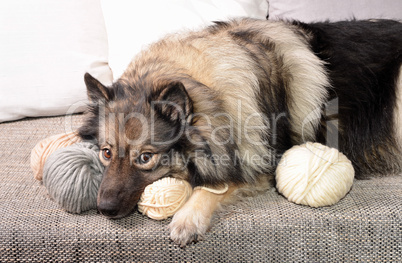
x: 365, y: 226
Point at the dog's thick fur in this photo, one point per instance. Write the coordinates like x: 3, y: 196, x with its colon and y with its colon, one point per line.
x: 221, y: 105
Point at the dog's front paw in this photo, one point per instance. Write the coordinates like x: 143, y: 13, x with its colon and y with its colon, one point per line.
x: 188, y: 227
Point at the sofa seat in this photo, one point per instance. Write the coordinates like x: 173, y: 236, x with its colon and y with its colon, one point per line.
x: 365, y: 226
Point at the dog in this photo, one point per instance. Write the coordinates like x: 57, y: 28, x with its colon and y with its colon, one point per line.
x: 218, y: 107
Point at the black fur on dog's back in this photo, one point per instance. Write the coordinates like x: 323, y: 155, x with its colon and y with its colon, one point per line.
x: 363, y: 61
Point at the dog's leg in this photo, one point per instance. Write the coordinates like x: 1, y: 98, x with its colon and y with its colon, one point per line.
x: 192, y: 221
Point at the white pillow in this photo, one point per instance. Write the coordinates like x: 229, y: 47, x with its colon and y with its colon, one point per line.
x: 321, y: 10
x: 131, y: 25
x: 46, y: 47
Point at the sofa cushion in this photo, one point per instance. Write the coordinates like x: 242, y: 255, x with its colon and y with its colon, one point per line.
x: 131, y: 25
x: 45, y: 49
x: 321, y: 10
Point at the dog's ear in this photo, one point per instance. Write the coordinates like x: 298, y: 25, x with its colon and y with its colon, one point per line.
x: 173, y: 102
x: 95, y: 90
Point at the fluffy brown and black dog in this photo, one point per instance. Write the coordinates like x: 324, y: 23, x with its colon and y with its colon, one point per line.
x: 219, y: 106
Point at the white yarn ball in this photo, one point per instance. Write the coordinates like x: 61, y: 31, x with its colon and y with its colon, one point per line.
x: 164, y: 197
x: 315, y: 175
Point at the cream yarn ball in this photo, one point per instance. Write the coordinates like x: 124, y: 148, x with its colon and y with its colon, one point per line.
x: 315, y: 175
x: 164, y: 197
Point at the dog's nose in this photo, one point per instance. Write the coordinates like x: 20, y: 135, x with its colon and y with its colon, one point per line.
x: 107, y: 209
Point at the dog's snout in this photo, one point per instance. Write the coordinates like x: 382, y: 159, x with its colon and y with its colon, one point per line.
x: 108, y: 209
x: 117, y: 198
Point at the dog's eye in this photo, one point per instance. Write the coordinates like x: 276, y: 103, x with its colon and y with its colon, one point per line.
x: 145, y: 158
x: 106, y: 154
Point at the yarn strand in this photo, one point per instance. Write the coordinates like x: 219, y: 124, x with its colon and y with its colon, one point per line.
x: 214, y: 191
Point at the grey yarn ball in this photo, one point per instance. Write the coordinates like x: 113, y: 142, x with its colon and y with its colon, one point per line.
x: 72, y: 176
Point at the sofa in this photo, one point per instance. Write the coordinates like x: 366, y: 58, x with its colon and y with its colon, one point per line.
x: 364, y: 226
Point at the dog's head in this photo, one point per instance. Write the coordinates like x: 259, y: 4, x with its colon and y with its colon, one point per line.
x: 140, y: 133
